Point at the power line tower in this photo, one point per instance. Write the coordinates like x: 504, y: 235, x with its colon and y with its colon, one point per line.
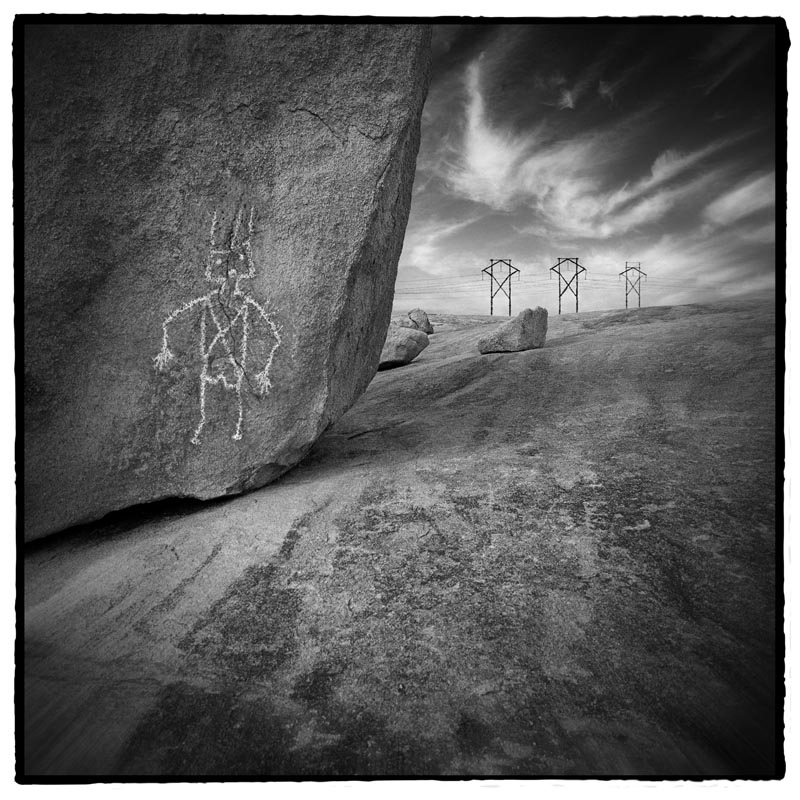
x: 633, y: 276
x: 501, y: 285
x: 568, y: 280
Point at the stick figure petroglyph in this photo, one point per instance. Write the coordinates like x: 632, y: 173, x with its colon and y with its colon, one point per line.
x: 229, y: 316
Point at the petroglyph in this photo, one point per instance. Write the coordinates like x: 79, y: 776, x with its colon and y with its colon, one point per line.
x: 229, y: 318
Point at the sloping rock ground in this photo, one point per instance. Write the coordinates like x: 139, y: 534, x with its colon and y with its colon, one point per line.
x: 553, y: 562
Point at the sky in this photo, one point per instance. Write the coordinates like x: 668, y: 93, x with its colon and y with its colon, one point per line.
x: 605, y: 142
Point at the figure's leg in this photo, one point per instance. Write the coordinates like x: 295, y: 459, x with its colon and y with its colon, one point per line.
x: 240, y: 369
x: 240, y: 375
x: 203, y: 382
x: 238, y: 435
x: 203, y: 379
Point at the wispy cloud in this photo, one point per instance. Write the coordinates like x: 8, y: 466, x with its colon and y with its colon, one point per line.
x: 685, y: 267
x: 728, y: 52
x: 567, y: 98
x: 645, y: 206
x: 488, y: 156
x: 569, y: 94
x: 426, y: 246
x: 609, y: 88
x: 757, y: 234
x: 732, y: 65
x: 753, y: 195
x: 562, y: 181
x: 727, y: 40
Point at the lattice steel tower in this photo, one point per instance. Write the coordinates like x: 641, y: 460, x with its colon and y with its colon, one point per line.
x: 633, y: 276
x: 568, y: 281
x: 501, y: 285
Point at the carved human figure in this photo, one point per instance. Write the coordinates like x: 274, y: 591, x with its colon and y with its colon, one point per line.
x: 229, y: 318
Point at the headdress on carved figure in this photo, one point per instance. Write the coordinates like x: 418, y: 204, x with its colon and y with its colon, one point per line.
x: 238, y: 245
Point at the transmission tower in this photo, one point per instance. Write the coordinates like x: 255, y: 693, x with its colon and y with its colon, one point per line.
x: 633, y: 276
x: 500, y: 285
x: 567, y: 279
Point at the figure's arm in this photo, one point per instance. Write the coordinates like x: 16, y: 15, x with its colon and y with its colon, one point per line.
x: 165, y: 354
x: 262, y: 378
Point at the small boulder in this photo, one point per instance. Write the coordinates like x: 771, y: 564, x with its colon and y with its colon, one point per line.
x: 402, y: 346
x: 526, y: 331
x: 420, y: 320
x: 405, y: 322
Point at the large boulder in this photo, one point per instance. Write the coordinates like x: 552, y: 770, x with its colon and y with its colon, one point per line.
x: 420, y: 319
x: 213, y: 220
x: 402, y: 346
x: 526, y: 331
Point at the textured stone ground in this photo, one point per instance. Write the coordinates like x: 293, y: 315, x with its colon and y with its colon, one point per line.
x: 554, y: 562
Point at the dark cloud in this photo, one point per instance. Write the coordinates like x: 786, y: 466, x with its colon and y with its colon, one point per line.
x: 454, y: 44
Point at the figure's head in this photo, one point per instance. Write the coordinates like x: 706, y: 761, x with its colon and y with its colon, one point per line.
x: 233, y: 260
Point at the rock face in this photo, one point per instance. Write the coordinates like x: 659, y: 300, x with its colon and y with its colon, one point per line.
x: 213, y: 220
x: 402, y: 346
x: 526, y: 331
x: 420, y: 319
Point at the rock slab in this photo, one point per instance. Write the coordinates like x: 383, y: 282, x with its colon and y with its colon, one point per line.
x: 213, y: 219
x: 526, y: 331
x: 402, y: 346
x: 420, y: 319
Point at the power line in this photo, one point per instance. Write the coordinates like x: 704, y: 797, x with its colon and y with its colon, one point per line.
x: 436, y: 288
x: 428, y: 294
x: 436, y: 279
x: 478, y: 284
x: 569, y: 270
